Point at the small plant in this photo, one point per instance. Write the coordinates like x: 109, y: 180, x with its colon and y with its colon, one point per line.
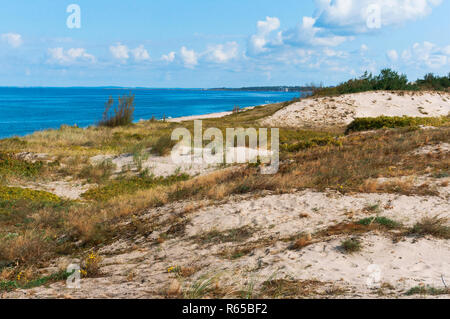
x: 122, y: 113
x: 91, y: 265
x: 200, y: 287
x: 433, y: 226
x: 383, y: 221
x: 351, y: 245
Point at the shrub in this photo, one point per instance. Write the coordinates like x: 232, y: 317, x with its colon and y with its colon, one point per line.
x: 163, y: 145
x: 373, y: 123
x: 433, y: 226
x: 351, y: 245
x: 122, y: 113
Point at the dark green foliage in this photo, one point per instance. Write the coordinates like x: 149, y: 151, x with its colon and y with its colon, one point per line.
x: 433, y: 82
x: 374, y: 123
x: 386, y: 80
x: 383, y: 221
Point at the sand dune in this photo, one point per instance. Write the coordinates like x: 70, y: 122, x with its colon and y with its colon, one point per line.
x: 342, y: 110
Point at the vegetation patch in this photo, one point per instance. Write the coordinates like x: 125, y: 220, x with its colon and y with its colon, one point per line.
x: 386, y: 80
x: 427, y: 290
x: 228, y: 236
x: 10, y: 165
x: 129, y: 186
x: 121, y: 115
x: 382, y: 221
x: 325, y: 141
x: 20, y: 283
x: 351, y: 245
x: 17, y: 193
x: 374, y: 123
x: 433, y: 226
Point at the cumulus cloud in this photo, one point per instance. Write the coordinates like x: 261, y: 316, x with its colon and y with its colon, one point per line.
x: 189, y: 57
x: 222, y: 53
x: 308, y: 34
x: 140, y: 54
x: 169, y: 57
x: 428, y: 55
x: 258, y: 41
x: 359, y: 16
x: 61, y: 56
x: 13, y: 39
x: 119, y: 51
x: 122, y: 52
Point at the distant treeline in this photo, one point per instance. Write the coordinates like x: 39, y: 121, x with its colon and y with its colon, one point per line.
x: 269, y: 88
x: 386, y: 80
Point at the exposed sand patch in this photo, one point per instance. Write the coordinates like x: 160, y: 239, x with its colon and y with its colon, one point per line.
x: 64, y: 189
x: 137, y: 267
x: 342, y: 110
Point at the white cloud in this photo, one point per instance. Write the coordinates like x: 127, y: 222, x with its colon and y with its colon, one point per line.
x: 170, y: 57
x: 427, y: 55
x: 189, y: 57
x: 258, y: 41
x: 392, y: 55
x: 119, y: 51
x: 308, y: 34
x: 13, y: 39
x: 59, y: 55
x: 140, y: 54
x: 222, y: 53
x: 353, y: 15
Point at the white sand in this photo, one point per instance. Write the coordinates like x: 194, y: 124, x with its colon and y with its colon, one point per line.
x: 342, y: 110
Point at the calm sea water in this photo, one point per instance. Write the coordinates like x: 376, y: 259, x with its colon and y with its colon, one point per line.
x: 25, y: 110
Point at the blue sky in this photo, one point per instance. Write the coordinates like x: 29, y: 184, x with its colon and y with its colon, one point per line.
x: 213, y: 43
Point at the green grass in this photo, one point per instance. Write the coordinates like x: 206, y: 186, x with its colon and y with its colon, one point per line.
x: 130, y: 186
x: 11, y: 285
x: 373, y: 123
x: 10, y: 165
x: 383, y: 221
x: 422, y: 290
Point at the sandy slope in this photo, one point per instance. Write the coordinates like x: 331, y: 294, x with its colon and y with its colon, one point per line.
x: 342, y: 110
x: 135, y: 266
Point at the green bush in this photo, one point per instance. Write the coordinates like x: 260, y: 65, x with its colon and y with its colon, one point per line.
x: 374, y: 123
x: 386, y: 80
x: 122, y: 113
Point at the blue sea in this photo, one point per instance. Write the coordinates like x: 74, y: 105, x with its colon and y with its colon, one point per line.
x: 25, y: 110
